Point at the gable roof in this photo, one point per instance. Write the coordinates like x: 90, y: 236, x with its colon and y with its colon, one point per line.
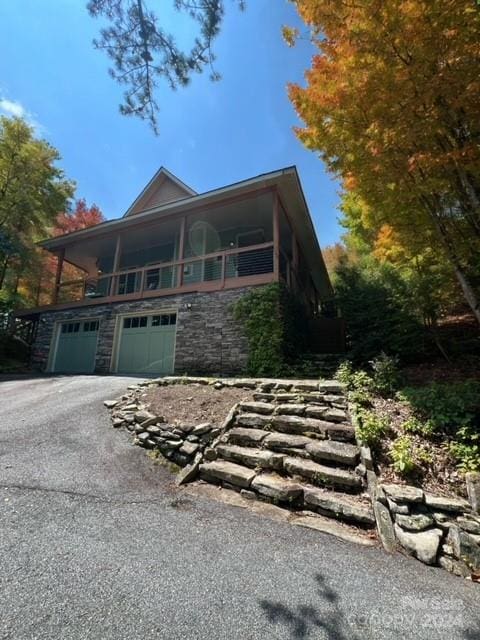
x: 163, y: 188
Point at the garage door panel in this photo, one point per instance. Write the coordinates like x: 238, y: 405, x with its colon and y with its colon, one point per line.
x: 76, y: 347
x: 147, y: 344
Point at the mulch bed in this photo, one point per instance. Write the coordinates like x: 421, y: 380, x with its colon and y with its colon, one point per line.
x: 194, y: 403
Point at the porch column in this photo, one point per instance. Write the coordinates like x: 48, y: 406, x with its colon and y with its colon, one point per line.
x: 276, y: 238
x: 116, y: 264
x: 181, y: 251
x: 58, y: 275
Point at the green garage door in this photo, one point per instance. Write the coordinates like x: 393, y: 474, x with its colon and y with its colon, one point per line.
x: 147, y: 344
x: 76, y: 347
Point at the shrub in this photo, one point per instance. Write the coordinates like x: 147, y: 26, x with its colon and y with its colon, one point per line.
x: 466, y: 449
x: 447, y: 407
x: 402, y: 453
x: 418, y: 427
x: 275, y: 327
x: 386, y: 376
x: 371, y: 428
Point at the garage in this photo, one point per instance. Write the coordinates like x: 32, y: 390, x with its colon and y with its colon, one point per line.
x: 76, y: 347
x: 147, y: 343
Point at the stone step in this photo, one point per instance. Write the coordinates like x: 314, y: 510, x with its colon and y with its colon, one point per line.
x: 264, y: 408
x: 282, y: 441
x: 322, y: 428
x: 224, y: 471
x: 321, y: 474
x: 292, y: 409
x: 330, y: 414
x: 254, y: 420
x: 247, y: 436
x: 331, y: 503
x: 251, y: 457
x: 331, y: 450
x: 277, y: 488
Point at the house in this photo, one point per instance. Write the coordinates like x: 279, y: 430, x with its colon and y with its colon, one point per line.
x: 157, y: 285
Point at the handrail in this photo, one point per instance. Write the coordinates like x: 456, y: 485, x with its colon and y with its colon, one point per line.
x: 176, y: 263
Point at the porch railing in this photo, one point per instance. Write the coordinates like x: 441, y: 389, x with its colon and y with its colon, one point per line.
x: 202, y: 272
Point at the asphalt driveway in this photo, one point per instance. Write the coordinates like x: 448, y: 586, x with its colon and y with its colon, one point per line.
x: 97, y: 543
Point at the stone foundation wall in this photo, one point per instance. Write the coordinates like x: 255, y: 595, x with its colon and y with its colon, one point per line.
x: 208, y: 340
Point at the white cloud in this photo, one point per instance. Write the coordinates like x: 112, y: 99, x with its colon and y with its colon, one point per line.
x: 16, y: 109
x: 11, y: 108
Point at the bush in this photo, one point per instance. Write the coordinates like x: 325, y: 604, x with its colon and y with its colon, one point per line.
x: 371, y: 428
x: 447, y: 407
x: 386, y: 376
x: 275, y: 327
x: 417, y: 427
x: 466, y: 449
x: 376, y: 305
x: 403, y: 455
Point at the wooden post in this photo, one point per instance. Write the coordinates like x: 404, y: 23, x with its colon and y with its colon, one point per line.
x: 276, y: 239
x: 58, y: 275
x: 116, y: 264
x: 181, y: 250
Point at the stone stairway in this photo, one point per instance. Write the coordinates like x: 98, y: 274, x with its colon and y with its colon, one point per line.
x: 294, y: 447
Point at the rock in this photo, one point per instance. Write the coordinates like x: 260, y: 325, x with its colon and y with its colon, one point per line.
x: 291, y: 409
x: 251, y: 457
x: 285, y: 441
x: 201, y: 429
x: 470, y: 526
x: 154, y: 429
x: 192, y: 438
x: 252, y: 437
x: 321, y: 473
x: 256, y: 407
x: 221, y: 470
x: 172, y: 444
x: 334, y: 451
x: 422, y: 545
x: 186, y: 428
x: 361, y: 470
x: 189, y: 448
x: 440, y: 518
x: 143, y: 415
x: 117, y: 422
x: 110, y: 403
x: 384, y: 525
x: 343, y: 432
x: 366, y: 456
x: 247, y: 494
x: 190, y: 472
x: 306, y: 386
x: 331, y: 387
x: 403, y: 493
x: 472, y: 478
x: 217, y: 385
x: 244, y: 384
x: 252, y: 420
x: 398, y: 508
x: 298, y: 425
x: 330, y: 503
x: 457, y: 567
x: 331, y: 415
x: 130, y: 407
x: 276, y: 487
x: 464, y: 547
x: 143, y: 437
x: 264, y: 397
x: 210, y: 454
x: 442, y: 503
x: 417, y: 522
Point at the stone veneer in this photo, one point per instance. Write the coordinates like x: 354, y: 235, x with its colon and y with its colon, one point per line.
x: 208, y: 338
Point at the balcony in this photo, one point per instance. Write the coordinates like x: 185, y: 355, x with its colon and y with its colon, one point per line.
x: 223, y: 269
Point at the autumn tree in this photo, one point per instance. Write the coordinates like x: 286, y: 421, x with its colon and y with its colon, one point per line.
x: 143, y: 53
x: 392, y: 104
x: 38, y: 286
x: 33, y: 189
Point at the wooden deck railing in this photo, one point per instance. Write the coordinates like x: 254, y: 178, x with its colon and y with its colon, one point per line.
x: 211, y: 271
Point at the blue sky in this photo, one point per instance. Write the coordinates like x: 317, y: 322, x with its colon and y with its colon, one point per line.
x: 211, y: 134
